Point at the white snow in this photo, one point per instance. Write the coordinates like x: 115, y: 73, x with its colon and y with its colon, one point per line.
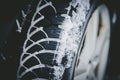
x: 71, y: 34
x: 69, y: 38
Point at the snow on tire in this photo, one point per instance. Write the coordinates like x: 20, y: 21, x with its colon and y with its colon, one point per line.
x: 48, y: 51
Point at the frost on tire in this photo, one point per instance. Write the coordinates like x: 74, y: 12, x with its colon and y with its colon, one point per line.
x: 45, y: 56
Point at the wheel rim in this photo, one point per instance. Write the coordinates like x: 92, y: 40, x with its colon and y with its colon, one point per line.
x: 93, y: 58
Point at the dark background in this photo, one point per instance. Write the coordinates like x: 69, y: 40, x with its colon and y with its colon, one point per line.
x: 8, y: 12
